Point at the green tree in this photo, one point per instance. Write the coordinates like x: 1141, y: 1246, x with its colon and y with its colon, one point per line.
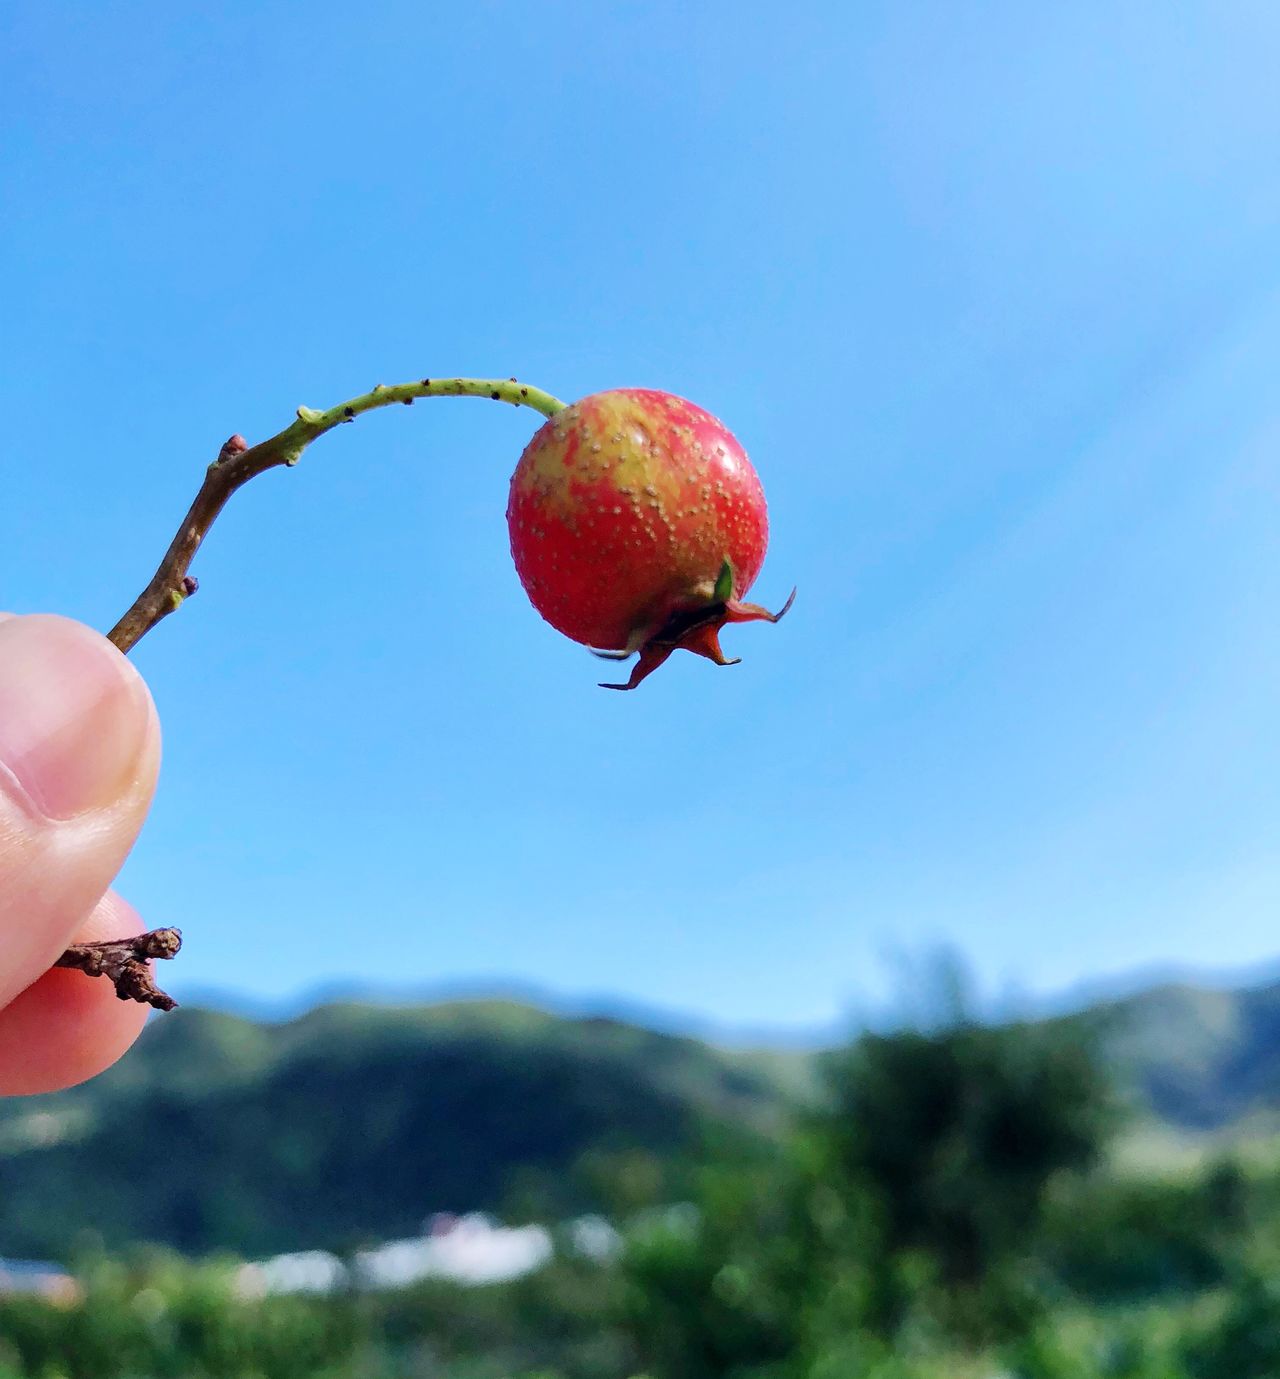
x: 956, y: 1133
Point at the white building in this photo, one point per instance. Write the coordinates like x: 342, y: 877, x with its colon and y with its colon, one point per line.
x: 48, y: 1281
x: 470, y: 1249
x: 308, y: 1271
x: 467, y: 1249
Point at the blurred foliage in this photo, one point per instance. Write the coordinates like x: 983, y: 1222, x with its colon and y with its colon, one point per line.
x: 157, y: 1316
x: 949, y: 1212
x: 1113, y: 1237
x: 956, y: 1135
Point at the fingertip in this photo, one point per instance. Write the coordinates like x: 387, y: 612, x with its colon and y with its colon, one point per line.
x: 66, y: 1027
x: 78, y: 729
x: 79, y: 755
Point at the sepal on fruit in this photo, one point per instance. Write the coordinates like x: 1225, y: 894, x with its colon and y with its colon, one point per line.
x: 696, y: 630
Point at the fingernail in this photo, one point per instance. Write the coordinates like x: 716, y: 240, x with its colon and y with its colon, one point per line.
x: 74, y: 715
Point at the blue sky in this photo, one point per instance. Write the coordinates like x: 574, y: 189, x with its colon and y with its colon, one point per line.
x: 990, y: 294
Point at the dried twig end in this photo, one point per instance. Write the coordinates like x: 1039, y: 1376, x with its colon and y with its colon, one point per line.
x: 126, y: 962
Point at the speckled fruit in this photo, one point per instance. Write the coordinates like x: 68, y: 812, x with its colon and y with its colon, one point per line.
x: 637, y: 524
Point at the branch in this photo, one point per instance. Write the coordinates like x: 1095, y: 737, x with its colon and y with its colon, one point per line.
x: 238, y: 462
x: 125, y: 961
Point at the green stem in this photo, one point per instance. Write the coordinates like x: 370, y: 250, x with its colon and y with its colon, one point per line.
x: 311, y: 423
x: 239, y: 462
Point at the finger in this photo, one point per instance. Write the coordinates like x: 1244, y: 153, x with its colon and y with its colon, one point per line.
x: 79, y: 751
x: 67, y: 1027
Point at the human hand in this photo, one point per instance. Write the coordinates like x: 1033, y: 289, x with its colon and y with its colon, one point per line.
x: 79, y: 752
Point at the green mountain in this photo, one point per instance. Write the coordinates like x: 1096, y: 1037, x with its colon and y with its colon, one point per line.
x: 354, y: 1122
x: 1203, y: 1062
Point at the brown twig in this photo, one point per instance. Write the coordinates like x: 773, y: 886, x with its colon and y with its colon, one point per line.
x: 238, y: 462
x: 126, y: 962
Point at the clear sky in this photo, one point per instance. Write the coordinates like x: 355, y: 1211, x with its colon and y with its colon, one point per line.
x: 990, y: 293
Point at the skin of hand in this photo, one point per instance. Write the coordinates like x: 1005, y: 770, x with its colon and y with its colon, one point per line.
x: 79, y: 753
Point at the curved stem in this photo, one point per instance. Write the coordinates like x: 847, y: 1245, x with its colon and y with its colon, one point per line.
x: 238, y: 462
x: 126, y: 962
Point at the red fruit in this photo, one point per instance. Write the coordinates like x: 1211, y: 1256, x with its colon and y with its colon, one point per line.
x: 637, y: 524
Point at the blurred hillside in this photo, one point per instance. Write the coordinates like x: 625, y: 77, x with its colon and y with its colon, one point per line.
x: 352, y: 1122
x: 1202, y: 1061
